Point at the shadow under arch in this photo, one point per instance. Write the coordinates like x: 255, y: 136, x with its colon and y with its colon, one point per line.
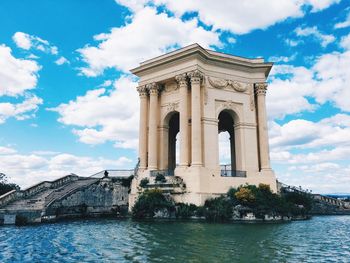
x: 172, y: 123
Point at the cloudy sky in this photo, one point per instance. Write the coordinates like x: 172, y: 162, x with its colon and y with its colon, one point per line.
x: 68, y: 102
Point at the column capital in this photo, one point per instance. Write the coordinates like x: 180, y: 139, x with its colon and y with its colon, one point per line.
x: 153, y: 88
x: 181, y: 79
x: 195, y: 76
x: 260, y: 88
x: 142, y: 90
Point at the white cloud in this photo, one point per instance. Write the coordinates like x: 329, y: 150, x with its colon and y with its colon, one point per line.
x: 105, y: 115
x: 148, y: 35
x: 239, y: 17
x: 321, y: 178
x: 293, y: 42
x: 344, y: 24
x: 27, y: 42
x: 20, y: 111
x: 314, y: 153
x: 284, y: 59
x: 318, y: 5
x: 16, y: 75
x: 61, y: 61
x: 326, y: 81
x: 333, y: 78
x: 6, y: 150
x: 30, y: 169
x: 345, y: 42
x: 314, y: 32
x: 22, y: 40
x: 224, y: 148
x: 288, y: 91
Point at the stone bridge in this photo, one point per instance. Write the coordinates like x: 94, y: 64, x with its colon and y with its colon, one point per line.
x: 68, y: 196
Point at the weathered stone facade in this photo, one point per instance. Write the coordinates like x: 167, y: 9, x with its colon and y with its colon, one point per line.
x: 69, y: 196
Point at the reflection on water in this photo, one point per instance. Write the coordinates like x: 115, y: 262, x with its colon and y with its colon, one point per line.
x: 322, y: 239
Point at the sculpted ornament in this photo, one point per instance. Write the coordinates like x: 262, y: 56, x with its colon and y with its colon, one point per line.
x: 223, y: 83
x: 142, y: 90
x: 172, y: 106
x: 195, y: 76
x: 171, y: 87
x: 181, y: 79
x: 153, y: 88
x: 260, y: 88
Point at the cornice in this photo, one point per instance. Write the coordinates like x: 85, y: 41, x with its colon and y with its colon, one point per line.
x: 208, y: 55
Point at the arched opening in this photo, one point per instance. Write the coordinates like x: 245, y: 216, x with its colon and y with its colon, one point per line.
x: 172, y: 142
x: 227, y: 152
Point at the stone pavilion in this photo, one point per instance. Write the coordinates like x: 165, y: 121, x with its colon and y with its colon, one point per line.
x: 191, y: 95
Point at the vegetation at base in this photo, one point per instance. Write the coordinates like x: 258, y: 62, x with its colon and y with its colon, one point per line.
x: 5, y: 186
x: 218, y: 209
x: 247, y: 198
x: 185, y: 211
x: 160, y: 178
x: 144, y: 182
x: 149, y: 202
x: 126, y: 182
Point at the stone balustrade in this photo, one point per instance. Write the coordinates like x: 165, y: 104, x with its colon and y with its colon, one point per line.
x: 9, y: 197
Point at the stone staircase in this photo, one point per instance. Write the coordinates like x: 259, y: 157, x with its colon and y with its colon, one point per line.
x: 171, y: 185
x: 43, y: 199
x: 36, y: 202
x: 67, y: 189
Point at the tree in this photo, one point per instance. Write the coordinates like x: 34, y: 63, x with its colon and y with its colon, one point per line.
x: 5, y: 186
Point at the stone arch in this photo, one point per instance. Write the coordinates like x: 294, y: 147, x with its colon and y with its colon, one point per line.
x: 232, y: 108
x: 169, y: 130
x: 227, y: 119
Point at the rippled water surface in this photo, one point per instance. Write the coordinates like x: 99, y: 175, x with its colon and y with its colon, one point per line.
x: 322, y: 239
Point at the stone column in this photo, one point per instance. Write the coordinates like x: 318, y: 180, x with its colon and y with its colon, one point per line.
x: 196, y: 134
x: 153, y: 123
x: 184, y: 140
x: 143, y: 126
x: 260, y: 92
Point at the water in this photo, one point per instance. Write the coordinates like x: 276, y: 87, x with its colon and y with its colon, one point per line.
x: 322, y: 239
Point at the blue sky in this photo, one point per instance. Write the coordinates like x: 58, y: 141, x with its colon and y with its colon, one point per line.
x: 69, y: 104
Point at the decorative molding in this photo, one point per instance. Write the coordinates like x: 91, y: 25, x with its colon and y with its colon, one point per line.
x: 229, y: 104
x: 227, y: 83
x: 260, y: 88
x: 212, y: 121
x: 153, y: 88
x: 195, y: 76
x: 181, y: 79
x: 205, y: 96
x: 251, y: 100
x: 171, y: 87
x: 142, y: 90
x: 172, y: 106
x: 245, y: 125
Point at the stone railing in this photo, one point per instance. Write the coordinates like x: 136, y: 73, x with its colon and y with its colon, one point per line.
x: 226, y: 171
x: 9, y: 197
x: 47, y: 185
x: 114, y: 173
x: 63, y: 180
x: 36, y: 189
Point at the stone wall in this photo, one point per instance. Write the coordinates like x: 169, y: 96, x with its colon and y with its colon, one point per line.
x: 107, y: 196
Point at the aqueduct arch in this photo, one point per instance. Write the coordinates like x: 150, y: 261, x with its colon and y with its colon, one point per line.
x: 196, y: 93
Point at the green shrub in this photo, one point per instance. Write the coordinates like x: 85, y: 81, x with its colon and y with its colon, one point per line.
x: 144, y: 182
x: 218, y: 209
x: 185, y: 210
x: 160, y: 178
x: 149, y: 202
